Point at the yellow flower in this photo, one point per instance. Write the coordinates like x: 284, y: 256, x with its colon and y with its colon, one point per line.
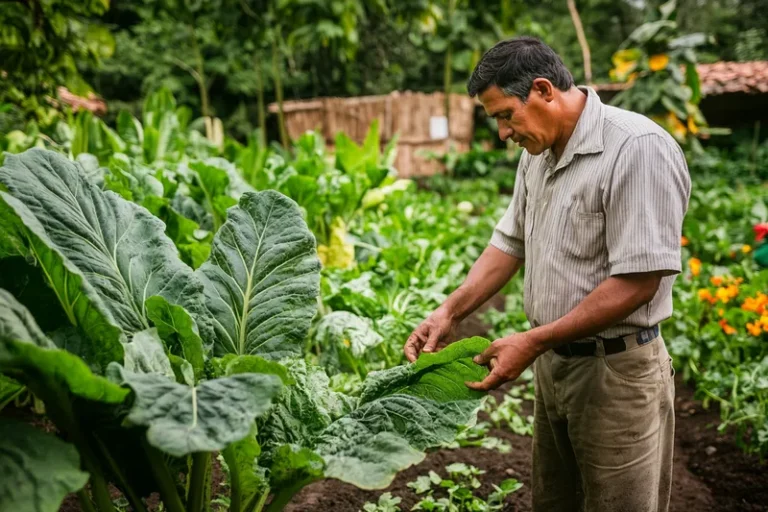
x: 624, y: 62
x: 716, y: 280
x: 764, y: 322
x: 706, y: 295
x: 754, y: 328
x: 745, y: 248
x: 658, y: 62
x: 695, y: 265
x: 723, y: 295
x: 721, y: 312
x: 675, y: 127
x: 684, y: 241
x: 692, y: 126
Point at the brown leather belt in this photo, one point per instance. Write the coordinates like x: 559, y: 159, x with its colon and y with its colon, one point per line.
x: 610, y: 345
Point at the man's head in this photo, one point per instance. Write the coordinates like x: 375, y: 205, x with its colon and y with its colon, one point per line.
x: 521, y: 82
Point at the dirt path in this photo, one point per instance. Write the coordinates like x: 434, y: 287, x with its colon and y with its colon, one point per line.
x: 710, y: 472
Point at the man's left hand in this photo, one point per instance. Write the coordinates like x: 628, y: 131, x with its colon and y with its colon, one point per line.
x: 507, y: 358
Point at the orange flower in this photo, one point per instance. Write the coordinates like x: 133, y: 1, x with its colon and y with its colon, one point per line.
x: 746, y: 248
x: 658, y: 62
x: 684, y: 241
x: 757, y: 304
x: 695, y: 265
x: 706, y: 295
x: 716, y: 280
x: 727, y: 329
x: 726, y: 293
x: 754, y: 328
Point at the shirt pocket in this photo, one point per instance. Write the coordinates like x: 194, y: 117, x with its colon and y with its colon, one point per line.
x: 583, y: 233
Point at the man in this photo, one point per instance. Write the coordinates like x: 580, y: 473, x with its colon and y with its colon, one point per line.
x: 596, y: 217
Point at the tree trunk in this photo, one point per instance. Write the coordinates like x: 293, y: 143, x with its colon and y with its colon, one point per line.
x: 201, y: 81
x: 582, y: 41
x: 260, y: 102
x: 276, y: 72
x: 448, y: 70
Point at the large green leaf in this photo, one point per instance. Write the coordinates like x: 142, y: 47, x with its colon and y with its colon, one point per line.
x: 146, y: 354
x: 205, y: 418
x: 179, y: 332
x: 342, y: 329
x: 232, y: 364
x: 119, y: 246
x: 36, y: 469
x: 17, y: 324
x: 79, y: 300
x: 262, y: 278
x: 27, y: 355
x: 403, y: 411
x: 305, y: 408
x: 438, y: 376
x: 371, y: 461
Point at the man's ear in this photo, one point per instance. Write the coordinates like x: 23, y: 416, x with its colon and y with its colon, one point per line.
x: 544, y: 89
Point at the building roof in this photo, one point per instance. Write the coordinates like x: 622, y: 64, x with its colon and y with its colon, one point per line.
x: 721, y: 78
x: 92, y: 102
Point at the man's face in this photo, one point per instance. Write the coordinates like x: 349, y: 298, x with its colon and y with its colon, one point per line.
x: 529, y: 124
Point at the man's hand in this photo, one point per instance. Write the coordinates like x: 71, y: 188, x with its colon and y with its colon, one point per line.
x: 507, y: 358
x: 431, y: 335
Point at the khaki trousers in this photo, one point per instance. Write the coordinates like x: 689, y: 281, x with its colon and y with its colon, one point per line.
x: 604, y: 430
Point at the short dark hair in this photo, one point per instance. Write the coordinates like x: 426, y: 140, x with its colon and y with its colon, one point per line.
x: 514, y: 64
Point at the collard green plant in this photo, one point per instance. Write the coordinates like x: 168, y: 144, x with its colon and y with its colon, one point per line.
x: 131, y: 310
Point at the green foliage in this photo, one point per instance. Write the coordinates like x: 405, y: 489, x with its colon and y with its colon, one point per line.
x: 42, y: 44
x: 38, y: 469
x: 660, y: 66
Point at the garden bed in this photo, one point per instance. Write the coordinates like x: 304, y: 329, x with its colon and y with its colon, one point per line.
x: 724, y: 479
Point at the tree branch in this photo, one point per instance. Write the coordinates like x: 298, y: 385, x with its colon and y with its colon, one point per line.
x: 582, y: 40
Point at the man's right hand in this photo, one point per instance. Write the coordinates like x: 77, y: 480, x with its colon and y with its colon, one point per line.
x: 431, y: 335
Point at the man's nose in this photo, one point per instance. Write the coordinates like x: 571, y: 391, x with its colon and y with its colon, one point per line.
x: 504, y: 133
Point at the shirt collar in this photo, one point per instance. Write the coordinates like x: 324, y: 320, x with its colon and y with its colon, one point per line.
x: 587, y: 137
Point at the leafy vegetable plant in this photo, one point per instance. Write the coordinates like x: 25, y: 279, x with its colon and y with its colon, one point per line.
x: 147, y: 367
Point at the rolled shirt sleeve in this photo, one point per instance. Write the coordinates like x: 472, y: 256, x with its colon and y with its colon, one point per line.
x: 509, y: 233
x: 645, y: 202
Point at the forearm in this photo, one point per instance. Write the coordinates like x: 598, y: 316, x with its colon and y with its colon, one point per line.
x: 611, y: 302
x: 492, y: 270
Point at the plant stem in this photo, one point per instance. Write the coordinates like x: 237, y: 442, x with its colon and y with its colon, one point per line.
x: 59, y: 407
x: 85, y: 501
x: 200, y: 464
x: 165, y: 483
x: 130, y: 494
x: 257, y: 502
x: 283, y: 496
x: 235, y: 495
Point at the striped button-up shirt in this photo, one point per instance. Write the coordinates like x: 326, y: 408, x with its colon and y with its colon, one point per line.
x: 612, y: 204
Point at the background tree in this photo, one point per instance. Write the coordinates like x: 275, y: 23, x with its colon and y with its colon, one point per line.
x: 41, y: 45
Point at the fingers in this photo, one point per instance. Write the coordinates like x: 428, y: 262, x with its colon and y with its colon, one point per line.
x: 413, y: 346
x: 486, y: 355
x: 492, y: 381
x: 432, y: 340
